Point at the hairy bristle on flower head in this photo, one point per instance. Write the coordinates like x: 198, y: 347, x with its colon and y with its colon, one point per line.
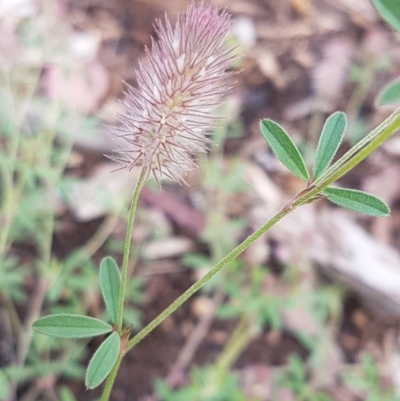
x: 169, y: 115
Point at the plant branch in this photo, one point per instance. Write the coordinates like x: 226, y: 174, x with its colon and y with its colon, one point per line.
x: 127, y: 247
x: 341, y: 167
x: 196, y: 286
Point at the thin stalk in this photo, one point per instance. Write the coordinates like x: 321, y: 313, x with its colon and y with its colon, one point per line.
x: 124, y: 274
x: 127, y: 247
x: 196, y: 286
x: 343, y: 165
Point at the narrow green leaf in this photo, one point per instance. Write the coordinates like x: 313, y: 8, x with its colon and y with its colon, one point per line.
x: 284, y: 148
x: 329, y: 142
x: 110, y: 284
x: 71, y: 326
x: 102, y: 361
x: 358, y: 201
x: 389, y: 11
x: 391, y: 92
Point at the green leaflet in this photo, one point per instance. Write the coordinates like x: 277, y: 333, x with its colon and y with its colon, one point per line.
x: 329, y: 142
x: 110, y: 284
x: 391, y: 92
x: 389, y: 11
x: 284, y: 148
x: 71, y: 326
x: 102, y: 361
x: 358, y: 201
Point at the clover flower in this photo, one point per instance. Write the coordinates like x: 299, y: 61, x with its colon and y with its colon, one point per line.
x: 169, y: 115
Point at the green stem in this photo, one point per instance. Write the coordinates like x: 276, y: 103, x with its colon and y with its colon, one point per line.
x: 196, y: 286
x: 110, y: 380
x: 341, y: 167
x: 127, y: 247
x: 124, y: 273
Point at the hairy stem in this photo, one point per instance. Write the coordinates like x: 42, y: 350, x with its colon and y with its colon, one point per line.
x: 124, y: 275
x: 196, y: 286
x: 127, y: 247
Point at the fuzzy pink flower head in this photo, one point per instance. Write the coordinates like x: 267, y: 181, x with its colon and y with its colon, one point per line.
x: 169, y: 116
